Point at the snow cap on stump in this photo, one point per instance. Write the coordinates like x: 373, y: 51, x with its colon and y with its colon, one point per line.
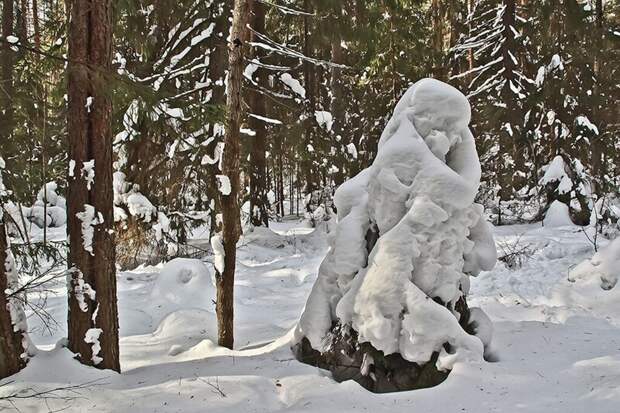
x: 388, y: 308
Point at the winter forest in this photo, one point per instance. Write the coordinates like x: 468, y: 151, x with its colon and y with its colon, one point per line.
x: 310, y: 206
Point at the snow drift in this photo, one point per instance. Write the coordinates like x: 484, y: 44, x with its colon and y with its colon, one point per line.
x: 604, y: 267
x: 408, y: 238
x: 186, y: 282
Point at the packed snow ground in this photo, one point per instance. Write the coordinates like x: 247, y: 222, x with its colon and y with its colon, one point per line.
x: 556, y: 344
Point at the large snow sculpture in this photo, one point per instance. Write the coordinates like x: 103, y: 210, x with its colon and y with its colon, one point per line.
x: 388, y: 308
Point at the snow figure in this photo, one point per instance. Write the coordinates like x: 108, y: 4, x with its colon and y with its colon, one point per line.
x: 388, y: 308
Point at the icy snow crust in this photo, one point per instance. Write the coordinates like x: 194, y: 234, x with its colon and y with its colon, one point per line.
x: 418, y: 197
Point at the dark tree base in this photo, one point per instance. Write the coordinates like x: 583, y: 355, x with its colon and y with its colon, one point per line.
x: 379, y: 373
x: 347, y: 359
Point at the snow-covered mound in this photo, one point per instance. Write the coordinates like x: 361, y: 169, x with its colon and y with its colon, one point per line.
x: 49, y: 210
x: 604, y: 267
x: 409, y: 235
x: 557, y: 215
x: 185, y: 282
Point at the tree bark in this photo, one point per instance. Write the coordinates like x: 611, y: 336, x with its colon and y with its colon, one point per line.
x: 35, y: 24
x: 259, y: 215
x: 22, y: 24
x: 11, y: 341
x: 509, y: 143
x: 337, y: 106
x: 439, y: 28
x: 597, y: 154
x: 7, y: 145
x: 218, y: 62
x: 307, y: 158
x: 231, y: 225
x: 93, y: 316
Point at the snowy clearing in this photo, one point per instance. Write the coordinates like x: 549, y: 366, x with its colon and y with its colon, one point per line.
x: 556, y: 343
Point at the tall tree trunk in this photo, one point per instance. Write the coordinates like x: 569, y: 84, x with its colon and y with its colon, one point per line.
x: 218, y: 62
x: 93, y: 317
x: 470, y: 53
x: 7, y: 144
x: 337, y: 106
x: 22, y: 24
x: 259, y: 215
x: 309, y: 174
x: 35, y: 24
x: 437, y: 19
x: 509, y: 142
x: 281, y: 184
x: 231, y: 225
x: 597, y: 154
x: 12, y: 335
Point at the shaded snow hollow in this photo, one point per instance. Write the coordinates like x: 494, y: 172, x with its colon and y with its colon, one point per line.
x: 418, y: 197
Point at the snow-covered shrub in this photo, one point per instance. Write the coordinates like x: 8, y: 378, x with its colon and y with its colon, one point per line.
x: 604, y: 267
x: 16, y: 346
x: 388, y: 308
x: 142, y: 227
x: 568, y: 182
x: 557, y: 215
x: 50, y: 209
x: 319, y: 206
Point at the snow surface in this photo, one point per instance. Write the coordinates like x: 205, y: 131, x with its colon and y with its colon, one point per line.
x: 603, y: 267
x: 557, y: 343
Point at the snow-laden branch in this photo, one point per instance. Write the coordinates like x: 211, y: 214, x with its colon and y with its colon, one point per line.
x: 269, y: 44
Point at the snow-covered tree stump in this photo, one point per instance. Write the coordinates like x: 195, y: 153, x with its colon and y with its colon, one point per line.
x: 388, y: 308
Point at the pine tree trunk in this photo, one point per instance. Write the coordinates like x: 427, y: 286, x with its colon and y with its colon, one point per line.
x: 509, y: 144
x: 93, y: 316
x: 281, y: 184
x: 11, y: 347
x: 337, y: 106
x: 7, y: 145
x: 231, y: 225
x: 218, y: 62
x: 35, y: 24
x: 308, y: 124
x: 598, y: 169
x: 437, y: 17
x: 258, y: 192
x: 23, y: 22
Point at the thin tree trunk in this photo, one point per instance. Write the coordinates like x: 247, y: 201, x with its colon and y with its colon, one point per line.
x: 470, y: 52
x: 258, y: 191
x: 437, y: 18
x: 309, y: 123
x: 218, y: 62
x: 231, y: 225
x: 598, y: 169
x: 281, y: 184
x: 337, y: 106
x: 7, y: 146
x: 35, y: 24
x: 93, y: 316
x: 23, y: 21
x: 290, y: 190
